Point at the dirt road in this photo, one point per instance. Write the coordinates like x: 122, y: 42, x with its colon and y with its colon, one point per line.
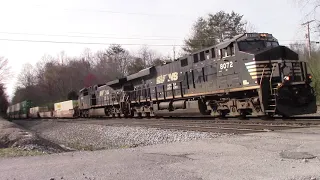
x: 287, y: 154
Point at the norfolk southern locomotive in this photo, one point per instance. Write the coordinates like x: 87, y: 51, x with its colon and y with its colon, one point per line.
x: 250, y: 74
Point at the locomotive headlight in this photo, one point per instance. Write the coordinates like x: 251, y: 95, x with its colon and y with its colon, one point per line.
x: 309, y: 78
x: 286, y: 78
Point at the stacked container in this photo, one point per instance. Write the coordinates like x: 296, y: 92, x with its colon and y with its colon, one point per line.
x: 35, y: 111
x: 65, y: 109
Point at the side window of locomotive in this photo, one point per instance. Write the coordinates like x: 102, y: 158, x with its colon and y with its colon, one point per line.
x: 213, y: 53
x: 85, y: 93
x: 207, y: 53
x: 220, y: 53
x: 195, y: 58
x: 271, y: 44
x: 202, y: 58
x: 230, y: 50
x: 224, y: 52
x: 275, y: 44
x: 184, y: 62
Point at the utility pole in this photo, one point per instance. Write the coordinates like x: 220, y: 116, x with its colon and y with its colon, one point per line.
x: 308, y: 36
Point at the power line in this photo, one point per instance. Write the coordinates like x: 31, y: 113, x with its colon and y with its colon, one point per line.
x: 71, y: 42
x: 110, y: 37
x: 305, y: 4
x: 109, y: 11
x: 93, y: 37
x: 89, y: 43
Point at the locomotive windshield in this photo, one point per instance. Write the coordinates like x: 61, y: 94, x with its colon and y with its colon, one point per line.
x: 248, y: 46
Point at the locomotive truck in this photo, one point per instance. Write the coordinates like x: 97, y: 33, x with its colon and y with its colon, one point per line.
x: 249, y: 74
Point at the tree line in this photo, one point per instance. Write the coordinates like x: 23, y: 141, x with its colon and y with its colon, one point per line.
x: 55, y: 79
x: 4, y: 75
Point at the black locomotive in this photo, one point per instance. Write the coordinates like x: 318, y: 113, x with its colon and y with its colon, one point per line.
x: 250, y: 74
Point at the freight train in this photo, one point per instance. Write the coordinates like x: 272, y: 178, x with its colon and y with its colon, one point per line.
x: 25, y: 109
x: 249, y: 74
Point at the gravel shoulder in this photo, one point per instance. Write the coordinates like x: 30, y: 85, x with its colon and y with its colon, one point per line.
x: 17, y: 141
x: 285, y: 155
x: 96, y: 137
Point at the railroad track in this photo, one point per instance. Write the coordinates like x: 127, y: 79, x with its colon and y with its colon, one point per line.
x: 234, y: 126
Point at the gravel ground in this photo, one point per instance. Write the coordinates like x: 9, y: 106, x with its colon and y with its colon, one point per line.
x: 14, y: 140
x: 95, y: 137
x: 287, y: 155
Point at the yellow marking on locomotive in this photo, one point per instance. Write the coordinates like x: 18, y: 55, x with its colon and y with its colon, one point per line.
x: 171, y: 77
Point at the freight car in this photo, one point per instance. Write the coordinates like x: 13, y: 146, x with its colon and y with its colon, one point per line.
x: 65, y: 109
x: 19, y: 110
x: 249, y: 74
x: 36, y: 111
x: 25, y: 110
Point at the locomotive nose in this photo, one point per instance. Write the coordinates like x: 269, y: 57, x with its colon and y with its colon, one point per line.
x: 279, y: 52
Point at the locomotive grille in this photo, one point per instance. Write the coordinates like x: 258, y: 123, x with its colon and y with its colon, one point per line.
x: 258, y: 68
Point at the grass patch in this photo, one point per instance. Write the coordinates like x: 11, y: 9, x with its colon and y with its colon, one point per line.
x: 15, y: 152
x: 78, y: 146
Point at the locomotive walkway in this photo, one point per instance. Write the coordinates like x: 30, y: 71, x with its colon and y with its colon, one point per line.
x: 283, y: 154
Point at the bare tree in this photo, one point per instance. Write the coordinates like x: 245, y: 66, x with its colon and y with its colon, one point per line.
x: 4, y: 69
x: 250, y: 28
x: 148, y: 56
x: 118, y: 59
x: 51, y: 81
x: 62, y: 57
x: 27, y: 76
x: 87, y: 55
x: 3, y: 100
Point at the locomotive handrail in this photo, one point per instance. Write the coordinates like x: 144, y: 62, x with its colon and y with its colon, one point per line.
x: 270, y: 80
x: 262, y: 73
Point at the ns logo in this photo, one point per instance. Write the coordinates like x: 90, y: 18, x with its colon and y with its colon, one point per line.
x: 171, y: 77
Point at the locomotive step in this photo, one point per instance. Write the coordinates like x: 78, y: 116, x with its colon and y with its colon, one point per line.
x: 269, y: 110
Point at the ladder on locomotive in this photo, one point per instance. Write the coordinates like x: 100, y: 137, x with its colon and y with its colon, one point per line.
x: 272, y: 100
x: 125, y: 104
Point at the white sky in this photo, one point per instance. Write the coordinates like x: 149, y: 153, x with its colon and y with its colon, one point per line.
x: 120, y: 20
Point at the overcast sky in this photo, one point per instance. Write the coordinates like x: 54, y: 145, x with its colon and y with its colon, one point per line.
x: 151, y: 22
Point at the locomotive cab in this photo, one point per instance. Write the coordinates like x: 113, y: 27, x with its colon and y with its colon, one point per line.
x: 284, y: 80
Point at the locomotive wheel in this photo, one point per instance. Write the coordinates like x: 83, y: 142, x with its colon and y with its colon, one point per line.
x: 139, y: 115
x: 243, y: 114
x: 222, y: 114
x: 268, y: 117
